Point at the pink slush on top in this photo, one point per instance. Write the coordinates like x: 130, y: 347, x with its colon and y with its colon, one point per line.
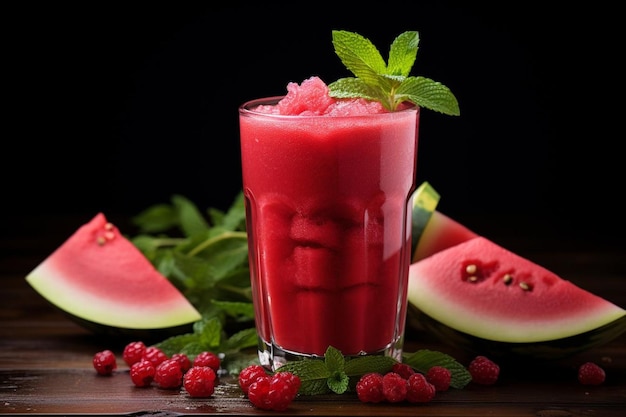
x: 311, y: 98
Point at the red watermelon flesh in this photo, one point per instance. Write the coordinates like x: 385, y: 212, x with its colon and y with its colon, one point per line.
x: 99, y: 276
x: 479, y: 288
x: 441, y: 232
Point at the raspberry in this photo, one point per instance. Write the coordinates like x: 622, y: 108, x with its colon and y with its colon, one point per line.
x: 394, y: 387
x: 440, y: 377
x: 419, y: 390
x: 274, y: 393
x: 133, y: 352
x: 154, y: 355
x: 590, y: 373
x: 209, y: 359
x: 185, y: 363
x: 169, y: 374
x: 142, y: 373
x: 258, y: 392
x: 104, y: 362
x: 369, y: 389
x: 292, y: 380
x: 483, y: 370
x: 284, y: 387
x: 402, y: 369
x: 248, y: 375
x: 199, y: 381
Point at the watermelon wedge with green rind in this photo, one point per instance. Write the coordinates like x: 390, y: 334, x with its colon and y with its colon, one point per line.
x: 483, y: 297
x: 100, y: 279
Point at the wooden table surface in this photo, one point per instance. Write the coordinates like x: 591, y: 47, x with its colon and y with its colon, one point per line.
x: 45, y: 359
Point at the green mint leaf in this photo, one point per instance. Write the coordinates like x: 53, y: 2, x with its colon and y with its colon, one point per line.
x: 206, y: 335
x: 402, y: 54
x: 155, y: 219
x: 307, y: 369
x: 338, y: 382
x: 223, y: 250
x: 314, y: 387
x: 210, y: 332
x: 429, y: 94
x: 389, y: 83
x: 192, y: 221
x: 234, y: 362
x: 234, y: 218
x: 152, y: 247
x: 206, y: 243
x: 424, y: 359
x: 359, y: 55
x: 313, y: 373
x: 365, y: 364
x: 355, y: 88
x: 334, y: 359
x: 243, y: 339
x: 320, y: 376
x: 177, y: 343
x: 236, y: 309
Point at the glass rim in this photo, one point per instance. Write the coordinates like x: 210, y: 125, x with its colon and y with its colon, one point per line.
x: 246, y: 108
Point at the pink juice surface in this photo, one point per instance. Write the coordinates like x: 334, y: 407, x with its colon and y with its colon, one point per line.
x: 327, y: 199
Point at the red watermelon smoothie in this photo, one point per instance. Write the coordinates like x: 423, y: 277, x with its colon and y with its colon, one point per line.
x: 327, y: 186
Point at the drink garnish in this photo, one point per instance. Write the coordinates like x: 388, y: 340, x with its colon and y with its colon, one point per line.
x: 388, y: 82
x: 334, y: 373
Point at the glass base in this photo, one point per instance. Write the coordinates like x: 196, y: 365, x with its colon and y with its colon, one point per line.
x: 273, y: 357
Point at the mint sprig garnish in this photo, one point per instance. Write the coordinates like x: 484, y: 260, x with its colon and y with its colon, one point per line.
x: 339, y: 374
x: 389, y: 83
x: 335, y: 373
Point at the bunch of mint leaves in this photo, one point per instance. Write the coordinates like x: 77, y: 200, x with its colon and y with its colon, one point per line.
x: 339, y: 374
x: 205, y: 255
x: 389, y: 83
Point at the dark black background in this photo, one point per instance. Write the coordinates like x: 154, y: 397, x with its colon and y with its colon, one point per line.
x: 115, y: 107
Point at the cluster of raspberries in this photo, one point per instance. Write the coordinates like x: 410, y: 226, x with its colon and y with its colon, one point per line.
x: 149, y: 364
x: 403, y: 383
x: 269, y: 392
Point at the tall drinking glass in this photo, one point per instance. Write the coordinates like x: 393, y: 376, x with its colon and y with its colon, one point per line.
x: 329, y: 229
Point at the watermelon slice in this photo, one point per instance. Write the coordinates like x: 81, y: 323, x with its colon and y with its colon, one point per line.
x: 482, y: 297
x: 102, y: 281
